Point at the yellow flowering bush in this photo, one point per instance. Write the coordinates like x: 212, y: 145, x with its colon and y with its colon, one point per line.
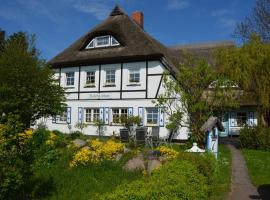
x: 168, y: 152
x: 82, y: 157
x: 111, y: 149
x: 97, y: 152
x: 25, y: 136
x: 51, y: 139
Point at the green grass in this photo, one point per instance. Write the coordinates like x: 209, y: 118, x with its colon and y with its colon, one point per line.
x: 82, y: 182
x: 258, y: 163
x: 222, y: 179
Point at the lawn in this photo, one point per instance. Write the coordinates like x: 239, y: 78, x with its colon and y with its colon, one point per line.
x: 222, y: 178
x: 258, y: 163
x: 82, y: 183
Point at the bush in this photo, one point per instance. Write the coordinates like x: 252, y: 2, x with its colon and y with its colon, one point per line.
x: 97, y: 152
x: 205, y: 163
x: 255, y: 138
x: 177, y: 179
x: 168, y: 152
x: 45, y: 145
x: 75, y: 134
x: 16, y: 160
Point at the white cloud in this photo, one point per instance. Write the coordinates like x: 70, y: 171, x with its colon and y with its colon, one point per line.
x: 178, y: 4
x: 227, y: 23
x: 222, y: 12
x: 99, y: 9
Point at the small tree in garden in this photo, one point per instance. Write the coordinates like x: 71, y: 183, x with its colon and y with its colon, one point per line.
x: 99, y: 124
x: 129, y: 122
x: 27, y: 85
x: 188, y: 101
x: 81, y: 126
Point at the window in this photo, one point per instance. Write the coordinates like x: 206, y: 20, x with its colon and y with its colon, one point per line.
x: 134, y: 75
x: 114, y: 42
x: 91, y: 115
x: 102, y: 41
x: 241, y: 118
x: 90, y: 78
x: 152, y: 116
x: 110, y: 76
x: 63, y: 116
x: 118, y: 113
x: 69, y: 78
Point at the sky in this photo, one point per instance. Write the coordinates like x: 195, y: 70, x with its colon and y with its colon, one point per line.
x: 58, y: 23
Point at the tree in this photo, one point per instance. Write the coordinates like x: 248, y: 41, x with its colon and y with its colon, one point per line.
x: 257, y: 23
x: 189, y: 102
x: 249, y: 67
x: 27, y: 86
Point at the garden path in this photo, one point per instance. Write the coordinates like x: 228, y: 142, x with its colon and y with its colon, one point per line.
x: 241, y: 186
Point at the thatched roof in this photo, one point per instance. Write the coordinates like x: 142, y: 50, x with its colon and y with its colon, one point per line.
x: 201, y: 50
x: 136, y: 45
x: 211, y: 123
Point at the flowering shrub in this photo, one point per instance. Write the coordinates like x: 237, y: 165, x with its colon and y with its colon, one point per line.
x: 25, y: 136
x: 51, y: 139
x: 97, y: 152
x: 82, y: 157
x: 168, y: 152
x: 111, y: 149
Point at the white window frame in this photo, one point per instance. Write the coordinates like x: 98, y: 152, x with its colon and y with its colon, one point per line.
x: 120, y: 113
x: 63, y: 116
x: 86, y: 76
x: 67, y: 79
x: 117, y: 43
x: 135, y: 70
x: 94, y: 42
x: 236, y: 119
x: 147, y: 113
x: 106, y: 73
x: 94, y: 116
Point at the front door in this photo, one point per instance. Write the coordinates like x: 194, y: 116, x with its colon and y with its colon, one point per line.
x: 225, y: 123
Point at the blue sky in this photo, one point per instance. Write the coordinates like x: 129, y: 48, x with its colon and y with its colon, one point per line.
x: 58, y: 23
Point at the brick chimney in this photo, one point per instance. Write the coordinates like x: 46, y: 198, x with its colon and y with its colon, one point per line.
x: 137, y: 16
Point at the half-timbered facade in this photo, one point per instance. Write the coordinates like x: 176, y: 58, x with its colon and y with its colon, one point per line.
x: 114, y: 70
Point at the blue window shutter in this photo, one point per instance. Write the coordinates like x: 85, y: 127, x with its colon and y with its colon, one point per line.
x: 54, y: 119
x: 80, y: 114
x: 141, y: 114
x: 68, y: 115
x: 251, y: 119
x: 106, y: 120
x: 101, y: 114
x: 161, y: 117
x: 130, y: 111
x: 233, y: 120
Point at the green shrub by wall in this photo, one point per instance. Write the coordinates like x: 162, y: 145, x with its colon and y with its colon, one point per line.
x: 178, y: 179
x: 255, y: 138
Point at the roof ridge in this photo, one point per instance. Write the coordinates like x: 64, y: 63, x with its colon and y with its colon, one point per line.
x: 117, y: 11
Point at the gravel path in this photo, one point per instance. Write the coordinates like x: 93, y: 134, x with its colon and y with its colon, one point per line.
x: 241, y: 187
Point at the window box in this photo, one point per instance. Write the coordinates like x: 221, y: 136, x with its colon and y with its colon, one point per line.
x: 89, y: 85
x: 109, y: 85
x: 134, y: 84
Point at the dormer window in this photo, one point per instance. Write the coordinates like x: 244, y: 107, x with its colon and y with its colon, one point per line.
x: 102, y: 41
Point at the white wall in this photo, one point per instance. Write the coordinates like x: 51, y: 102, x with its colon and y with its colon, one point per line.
x: 133, y: 96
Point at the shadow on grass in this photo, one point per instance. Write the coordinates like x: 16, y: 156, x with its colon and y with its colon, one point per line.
x: 264, y: 191
x: 42, y: 187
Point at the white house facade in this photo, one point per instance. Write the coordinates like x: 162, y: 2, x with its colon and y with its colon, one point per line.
x: 116, y: 70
